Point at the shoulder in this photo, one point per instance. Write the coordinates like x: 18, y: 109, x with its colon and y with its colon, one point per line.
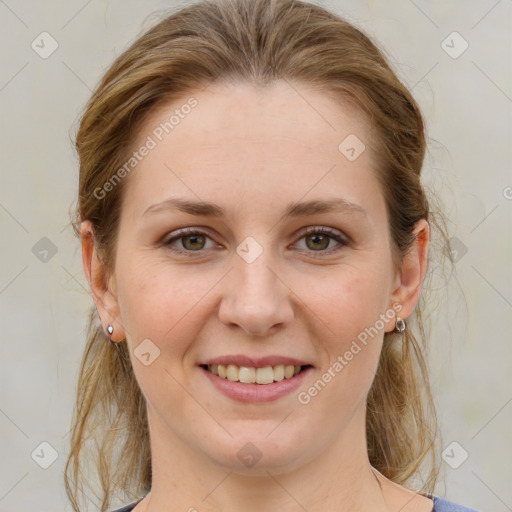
x: 441, y: 505
x: 127, y: 508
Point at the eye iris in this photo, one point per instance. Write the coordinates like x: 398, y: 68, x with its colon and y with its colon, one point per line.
x: 323, y: 238
x: 194, y: 239
x: 315, y: 241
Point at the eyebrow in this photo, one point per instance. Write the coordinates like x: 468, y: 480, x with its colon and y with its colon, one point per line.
x: 207, y: 209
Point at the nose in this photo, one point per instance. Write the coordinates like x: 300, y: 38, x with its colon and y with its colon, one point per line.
x: 256, y: 298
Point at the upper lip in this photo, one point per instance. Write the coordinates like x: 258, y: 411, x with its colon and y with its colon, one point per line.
x: 257, y: 362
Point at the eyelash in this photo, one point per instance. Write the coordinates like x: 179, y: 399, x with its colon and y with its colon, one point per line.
x: 187, y: 232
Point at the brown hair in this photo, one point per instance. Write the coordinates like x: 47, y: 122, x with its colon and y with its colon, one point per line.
x: 257, y: 41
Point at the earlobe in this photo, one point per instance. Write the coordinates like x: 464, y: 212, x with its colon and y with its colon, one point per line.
x: 413, y: 270
x: 103, y: 296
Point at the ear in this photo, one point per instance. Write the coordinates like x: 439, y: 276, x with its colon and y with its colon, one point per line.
x: 409, y: 277
x: 103, y: 292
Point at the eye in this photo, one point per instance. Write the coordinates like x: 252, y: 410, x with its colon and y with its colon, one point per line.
x: 189, y: 240
x: 318, y: 239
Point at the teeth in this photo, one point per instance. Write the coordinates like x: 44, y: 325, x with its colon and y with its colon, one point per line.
x: 279, y: 372
x: 265, y: 375
x: 251, y: 375
x: 246, y: 374
x: 232, y: 372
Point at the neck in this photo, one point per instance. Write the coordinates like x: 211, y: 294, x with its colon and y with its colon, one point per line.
x: 341, y: 479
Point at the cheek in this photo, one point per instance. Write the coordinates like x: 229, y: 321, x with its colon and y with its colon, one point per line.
x: 163, y: 310
x: 349, y: 300
x: 350, y: 308
x: 161, y: 304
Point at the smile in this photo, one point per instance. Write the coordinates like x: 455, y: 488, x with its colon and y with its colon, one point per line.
x: 251, y: 384
x: 253, y: 375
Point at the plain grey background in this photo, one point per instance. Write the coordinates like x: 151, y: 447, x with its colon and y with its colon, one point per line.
x: 463, y: 83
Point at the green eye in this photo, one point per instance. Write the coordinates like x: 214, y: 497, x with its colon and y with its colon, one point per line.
x: 193, y: 241
x: 319, y: 238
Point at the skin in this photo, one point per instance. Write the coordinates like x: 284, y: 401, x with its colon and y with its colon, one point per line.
x: 253, y: 151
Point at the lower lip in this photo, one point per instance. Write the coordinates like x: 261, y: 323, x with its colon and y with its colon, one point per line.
x: 256, y: 393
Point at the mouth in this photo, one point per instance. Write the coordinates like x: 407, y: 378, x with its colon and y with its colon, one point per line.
x: 256, y: 379
x: 264, y: 375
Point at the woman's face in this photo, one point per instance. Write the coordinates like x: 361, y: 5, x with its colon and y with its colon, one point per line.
x: 248, y: 171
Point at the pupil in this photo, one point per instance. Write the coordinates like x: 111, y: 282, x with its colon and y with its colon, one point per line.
x: 194, y: 239
x: 321, y: 238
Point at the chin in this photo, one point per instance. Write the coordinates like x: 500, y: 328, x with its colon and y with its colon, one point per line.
x: 257, y: 455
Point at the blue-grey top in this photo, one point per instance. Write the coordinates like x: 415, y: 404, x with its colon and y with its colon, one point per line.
x: 440, y: 505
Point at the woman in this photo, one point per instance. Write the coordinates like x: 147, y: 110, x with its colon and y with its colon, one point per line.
x: 255, y: 235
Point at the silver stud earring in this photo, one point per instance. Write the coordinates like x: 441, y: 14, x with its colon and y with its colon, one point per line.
x: 110, y: 329
x: 399, y: 325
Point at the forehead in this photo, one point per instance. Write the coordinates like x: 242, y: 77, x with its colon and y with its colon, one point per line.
x: 229, y: 138
x: 249, y: 112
